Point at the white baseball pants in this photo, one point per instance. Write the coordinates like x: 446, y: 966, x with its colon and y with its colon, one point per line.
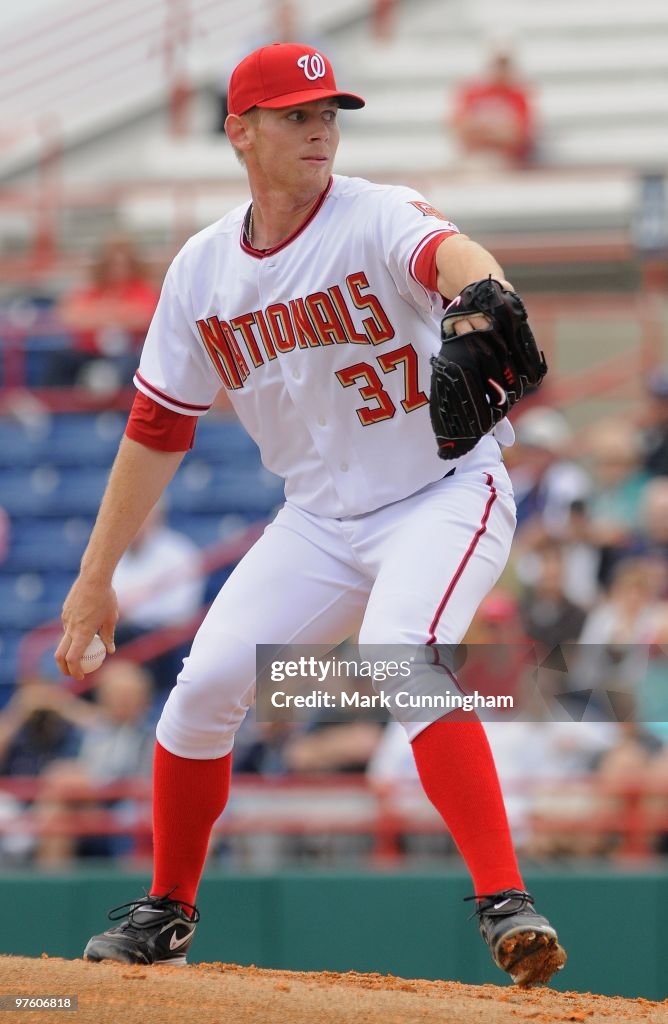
x: 412, y: 572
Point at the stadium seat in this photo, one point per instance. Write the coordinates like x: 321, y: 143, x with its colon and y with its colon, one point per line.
x: 46, y: 489
x: 206, y: 529
x: 53, y: 470
x: 9, y: 647
x: 19, y: 444
x: 47, y: 543
x: 225, y: 441
x: 206, y: 488
x: 85, y: 439
x: 28, y: 599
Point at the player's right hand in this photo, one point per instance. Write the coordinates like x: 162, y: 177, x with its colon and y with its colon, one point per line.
x: 89, y: 608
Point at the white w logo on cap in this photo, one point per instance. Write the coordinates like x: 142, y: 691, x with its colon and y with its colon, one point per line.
x: 313, y: 66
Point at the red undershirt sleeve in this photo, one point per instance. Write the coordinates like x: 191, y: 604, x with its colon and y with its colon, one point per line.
x: 154, y: 426
x: 424, y: 268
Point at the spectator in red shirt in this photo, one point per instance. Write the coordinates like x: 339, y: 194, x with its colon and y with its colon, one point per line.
x: 493, y: 117
x: 107, y: 320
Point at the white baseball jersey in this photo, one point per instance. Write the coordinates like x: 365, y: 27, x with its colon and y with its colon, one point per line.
x: 322, y: 344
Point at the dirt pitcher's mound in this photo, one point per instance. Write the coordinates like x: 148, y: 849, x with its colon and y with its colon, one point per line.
x: 216, y: 993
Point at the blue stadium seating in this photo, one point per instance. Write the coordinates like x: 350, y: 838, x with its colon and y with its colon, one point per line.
x: 38, y: 347
x: 18, y: 445
x: 49, y: 489
x: 225, y: 442
x: 86, y: 440
x: 28, y: 599
x: 53, y: 470
x: 40, y: 544
x: 204, y: 487
x: 207, y: 529
x: 64, y: 440
x: 9, y: 647
x: 39, y: 352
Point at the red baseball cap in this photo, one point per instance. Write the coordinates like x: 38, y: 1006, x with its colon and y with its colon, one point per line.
x: 282, y: 75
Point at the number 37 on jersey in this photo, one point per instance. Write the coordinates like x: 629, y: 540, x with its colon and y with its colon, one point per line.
x: 349, y: 315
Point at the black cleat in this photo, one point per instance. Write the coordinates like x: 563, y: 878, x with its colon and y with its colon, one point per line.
x: 156, y: 931
x: 521, y: 941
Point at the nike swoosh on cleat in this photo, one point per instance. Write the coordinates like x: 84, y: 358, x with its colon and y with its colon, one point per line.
x: 175, y: 943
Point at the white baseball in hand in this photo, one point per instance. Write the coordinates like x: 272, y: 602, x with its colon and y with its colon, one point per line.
x: 94, y: 655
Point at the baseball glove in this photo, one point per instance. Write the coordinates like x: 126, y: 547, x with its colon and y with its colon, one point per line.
x: 478, y: 376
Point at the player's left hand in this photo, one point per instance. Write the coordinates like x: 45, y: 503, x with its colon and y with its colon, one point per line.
x: 464, y: 324
x: 487, y: 360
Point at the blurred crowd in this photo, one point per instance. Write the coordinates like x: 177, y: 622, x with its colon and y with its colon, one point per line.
x: 105, y: 319
x: 586, y: 591
x: 588, y: 572
x: 493, y: 117
x: 576, y: 629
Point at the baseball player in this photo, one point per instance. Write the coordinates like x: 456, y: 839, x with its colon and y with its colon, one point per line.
x: 316, y: 307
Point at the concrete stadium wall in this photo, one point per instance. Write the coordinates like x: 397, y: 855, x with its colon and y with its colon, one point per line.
x: 411, y: 925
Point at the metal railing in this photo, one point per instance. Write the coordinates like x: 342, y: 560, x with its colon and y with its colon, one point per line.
x: 631, y: 816
x: 645, y: 315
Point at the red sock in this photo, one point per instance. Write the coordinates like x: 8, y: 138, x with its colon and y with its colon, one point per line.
x: 188, y: 798
x: 457, y: 772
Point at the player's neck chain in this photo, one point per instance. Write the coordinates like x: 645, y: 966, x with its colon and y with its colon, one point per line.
x: 249, y: 223
x: 250, y: 231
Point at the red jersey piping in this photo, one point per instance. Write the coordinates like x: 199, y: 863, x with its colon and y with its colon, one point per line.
x: 426, y: 248
x: 260, y: 254
x: 168, y: 398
